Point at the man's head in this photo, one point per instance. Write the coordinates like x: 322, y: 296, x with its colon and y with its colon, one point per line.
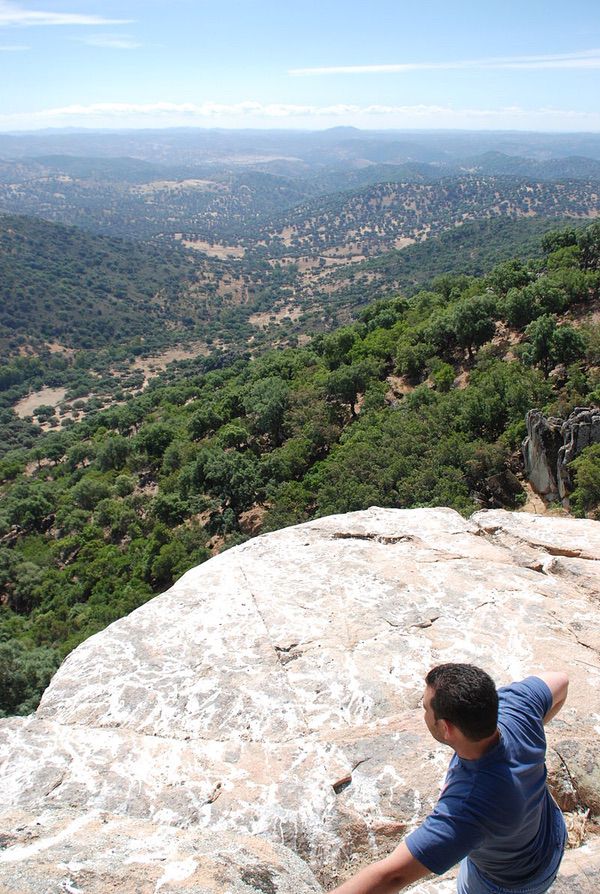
x: 463, y: 696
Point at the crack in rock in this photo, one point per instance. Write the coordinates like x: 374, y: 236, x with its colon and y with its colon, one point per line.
x: 509, y: 539
x: 572, y: 783
x: 582, y: 643
x: 566, y: 553
x: 286, y: 648
x: 216, y: 792
x: 342, y: 784
x: 56, y: 784
x: 280, y: 654
x: 376, y: 538
x: 428, y: 622
x: 586, y: 663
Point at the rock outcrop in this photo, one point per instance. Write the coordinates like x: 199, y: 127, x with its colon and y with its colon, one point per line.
x: 581, y: 430
x: 273, y: 695
x: 540, y: 452
x: 552, y: 443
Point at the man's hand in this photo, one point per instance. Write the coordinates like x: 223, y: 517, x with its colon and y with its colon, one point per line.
x: 386, y: 876
x: 558, y: 684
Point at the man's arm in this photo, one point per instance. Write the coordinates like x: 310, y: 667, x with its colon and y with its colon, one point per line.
x: 387, y: 876
x: 558, y: 684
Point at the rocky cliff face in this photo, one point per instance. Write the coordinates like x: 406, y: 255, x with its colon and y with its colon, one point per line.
x: 258, y: 726
x: 552, y: 443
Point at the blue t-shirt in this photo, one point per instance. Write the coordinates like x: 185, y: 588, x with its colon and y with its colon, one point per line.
x: 497, y: 809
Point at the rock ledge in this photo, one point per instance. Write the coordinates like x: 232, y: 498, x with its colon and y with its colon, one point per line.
x: 273, y: 695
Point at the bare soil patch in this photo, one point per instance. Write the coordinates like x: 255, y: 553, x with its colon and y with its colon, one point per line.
x: 286, y: 235
x: 234, y: 288
x: 151, y: 366
x: 353, y: 251
x: 274, y: 316
x: 585, y: 312
x: 251, y: 520
x: 536, y: 504
x: 403, y: 241
x: 215, y: 250
x: 46, y: 396
x: 462, y: 380
x: 56, y: 348
x: 178, y: 186
x: 399, y: 386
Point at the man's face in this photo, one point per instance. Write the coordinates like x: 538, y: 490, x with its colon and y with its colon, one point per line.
x: 432, y: 724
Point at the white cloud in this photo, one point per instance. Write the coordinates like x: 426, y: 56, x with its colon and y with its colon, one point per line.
x: 583, y: 59
x: 13, y: 48
x: 13, y: 14
x: 169, y: 114
x: 111, y: 41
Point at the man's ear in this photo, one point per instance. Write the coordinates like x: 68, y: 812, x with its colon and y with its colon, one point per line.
x: 447, y: 729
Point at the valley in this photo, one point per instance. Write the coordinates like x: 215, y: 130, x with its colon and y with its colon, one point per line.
x: 200, y: 345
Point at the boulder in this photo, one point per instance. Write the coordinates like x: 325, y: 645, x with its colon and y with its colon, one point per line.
x: 503, y: 489
x: 274, y: 692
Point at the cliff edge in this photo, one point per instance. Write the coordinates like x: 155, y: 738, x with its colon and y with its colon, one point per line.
x: 258, y: 727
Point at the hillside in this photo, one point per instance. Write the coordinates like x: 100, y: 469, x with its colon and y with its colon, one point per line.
x: 216, y: 305
x: 501, y: 164
x: 313, y: 204
x: 71, y: 289
x: 470, y: 249
x: 58, y: 284
x: 388, y: 215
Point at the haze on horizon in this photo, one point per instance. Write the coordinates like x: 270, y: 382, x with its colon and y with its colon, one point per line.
x: 151, y: 63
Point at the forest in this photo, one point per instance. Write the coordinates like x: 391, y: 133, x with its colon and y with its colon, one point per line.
x: 418, y: 401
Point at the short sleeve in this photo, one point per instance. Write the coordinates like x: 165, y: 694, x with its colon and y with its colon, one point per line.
x: 521, y: 711
x: 446, y: 837
x: 533, y: 693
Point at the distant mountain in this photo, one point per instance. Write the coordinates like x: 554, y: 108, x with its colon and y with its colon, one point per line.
x: 128, y: 170
x: 569, y: 168
x: 339, y: 146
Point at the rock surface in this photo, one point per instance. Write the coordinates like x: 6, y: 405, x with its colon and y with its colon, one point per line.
x: 51, y: 852
x: 274, y: 692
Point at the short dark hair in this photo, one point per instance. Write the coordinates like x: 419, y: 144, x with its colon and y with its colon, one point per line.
x: 465, y: 696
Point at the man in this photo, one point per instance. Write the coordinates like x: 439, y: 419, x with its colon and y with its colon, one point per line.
x: 495, y: 814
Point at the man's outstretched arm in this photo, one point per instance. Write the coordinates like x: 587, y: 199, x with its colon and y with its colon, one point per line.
x: 387, y: 876
x: 558, y: 684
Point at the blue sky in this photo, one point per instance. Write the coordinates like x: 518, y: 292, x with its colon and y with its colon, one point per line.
x: 525, y: 65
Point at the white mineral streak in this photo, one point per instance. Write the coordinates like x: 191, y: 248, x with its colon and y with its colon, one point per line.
x: 176, y: 872
x: 275, y: 691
